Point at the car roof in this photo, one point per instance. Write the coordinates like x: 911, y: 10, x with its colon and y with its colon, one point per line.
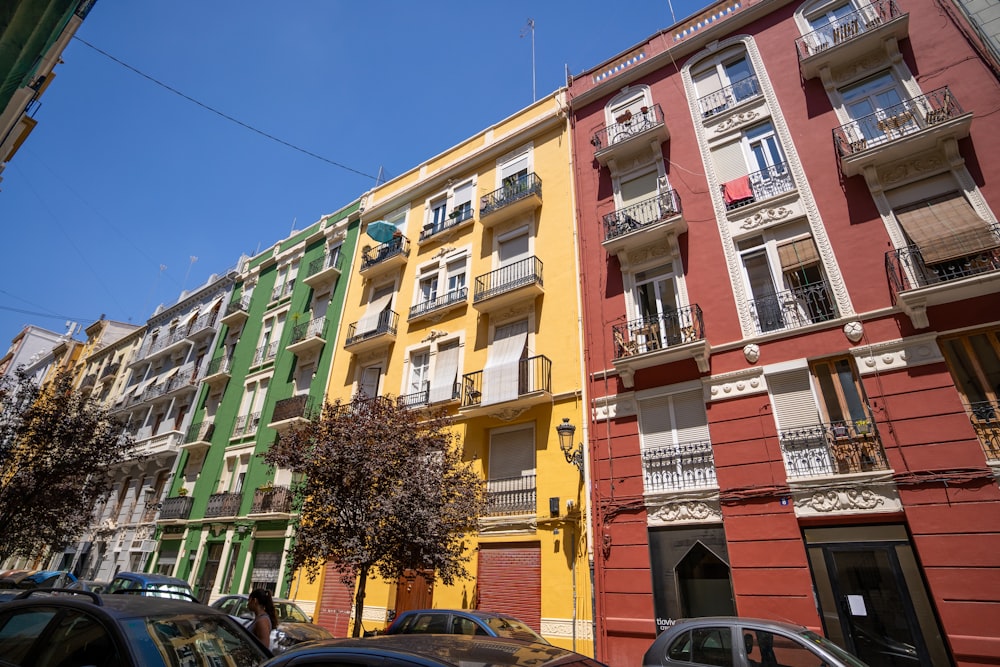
x: 464, y: 650
x: 117, y: 606
x: 151, y: 578
x: 478, y: 613
x: 738, y: 620
x: 45, y: 574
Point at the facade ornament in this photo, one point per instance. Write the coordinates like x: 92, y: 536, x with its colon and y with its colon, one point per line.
x: 736, y: 120
x: 508, y: 414
x: 766, y: 216
x: 433, y: 336
x: 854, y: 331
x: 751, y: 352
x: 689, y: 511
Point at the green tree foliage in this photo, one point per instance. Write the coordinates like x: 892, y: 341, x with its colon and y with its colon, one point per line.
x: 385, y: 489
x: 55, y: 446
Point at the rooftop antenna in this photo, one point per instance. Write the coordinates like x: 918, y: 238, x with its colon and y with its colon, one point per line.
x: 188, y: 272
x: 673, y: 19
x: 531, y: 27
x: 381, y: 176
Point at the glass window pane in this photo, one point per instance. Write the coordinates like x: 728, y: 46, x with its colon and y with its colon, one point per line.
x: 855, y: 406
x: 712, y: 646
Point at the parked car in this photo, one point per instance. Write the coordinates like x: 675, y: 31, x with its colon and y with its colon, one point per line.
x: 151, y: 585
x: 462, y: 622
x: 72, y: 627
x: 743, y: 642
x: 91, y: 585
x: 46, y: 579
x: 294, y: 626
x: 431, y: 651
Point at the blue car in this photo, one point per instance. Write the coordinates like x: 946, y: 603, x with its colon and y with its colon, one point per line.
x: 45, y: 579
x: 462, y: 622
x: 151, y: 585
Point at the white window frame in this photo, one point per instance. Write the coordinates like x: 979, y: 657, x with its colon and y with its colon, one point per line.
x: 439, y: 272
x: 718, y: 65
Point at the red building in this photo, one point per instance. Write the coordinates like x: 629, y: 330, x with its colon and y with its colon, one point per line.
x: 791, y: 278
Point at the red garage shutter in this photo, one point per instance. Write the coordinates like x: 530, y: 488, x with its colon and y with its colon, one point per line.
x: 335, y: 604
x: 510, y: 581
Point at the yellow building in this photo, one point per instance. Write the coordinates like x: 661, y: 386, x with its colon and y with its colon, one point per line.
x: 469, y: 301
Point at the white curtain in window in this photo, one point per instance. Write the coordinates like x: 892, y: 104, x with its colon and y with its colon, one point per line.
x: 500, y: 375
x: 445, y: 374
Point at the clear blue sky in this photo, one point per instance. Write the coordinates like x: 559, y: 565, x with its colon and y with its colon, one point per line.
x: 122, y: 176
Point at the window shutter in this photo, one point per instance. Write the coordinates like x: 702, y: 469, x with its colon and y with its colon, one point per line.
x: 656, y: 423
x: 946, y: 228
x: 512, y: 453
x: 794, y: 405
x: 690, y: 418
x: 729, y: 162
x: 463, y: 194
x: 797, y: 254
x: 638, y: 189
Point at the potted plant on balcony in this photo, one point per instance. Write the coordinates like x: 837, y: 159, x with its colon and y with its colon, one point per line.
x: 266, y: 486
x: 863, y: 426
x: 181, y: 492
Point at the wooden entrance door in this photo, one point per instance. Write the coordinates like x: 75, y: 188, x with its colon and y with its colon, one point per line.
x: 415, y: 590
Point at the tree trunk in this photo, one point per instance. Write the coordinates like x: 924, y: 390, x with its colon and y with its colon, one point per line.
x: 359, y: 600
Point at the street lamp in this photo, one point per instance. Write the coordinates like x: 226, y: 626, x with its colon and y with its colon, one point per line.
x: 573, y: 454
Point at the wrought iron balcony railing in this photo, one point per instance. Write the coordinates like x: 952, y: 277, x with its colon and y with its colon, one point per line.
x: 847, y: 28
x: 534, y: 374
x: 415, y: 399
x: 443, y: 301
x: 110, y: 371
x: 246, y: 424
x: 223, y: 504
x: 241, y: 305
x: 758, y: 186
x: 219, y: 365
x: 510, y: 496
x: 304, y: 406
x: 272, y: 500
x: 794, y: 308
x: 527, y: 271
x: 985, y: 418
x: 312, y: 329
x: 388, y: 321
x: 728, y: 97
x: 514, y: 189
x: 362, y: 405
x: 331, y: 260
x: 394, y: 247
x: 200, y: 432
x: 677, y: 467
x: 907, y: 269
x: 627, y: 125
x: 895, y: 122
x: 837, y: 448
x: 203, y: 323
x: 649, y: 334
x: 178, y: 507
x: 641, y: 215
x: 282, y: 291
x: 265, y: 353
x: 457, y: 217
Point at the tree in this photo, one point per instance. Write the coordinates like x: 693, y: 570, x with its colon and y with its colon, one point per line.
x: 55, y: 445
x: 384, y: 489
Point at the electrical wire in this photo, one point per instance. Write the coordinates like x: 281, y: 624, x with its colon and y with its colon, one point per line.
x: 224, y: 115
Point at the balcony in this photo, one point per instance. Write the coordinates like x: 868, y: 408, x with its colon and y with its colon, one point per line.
x: 437, y: 307
x: 246, y: 425
x: 185, y: 380
x: 729, y: 97
x: 757, y: 187
x: 362, y: 406
x: 199, y: 437
x: 88, y: 381
x: 630, y: 135
x: 460, y: 218
x: 646, y: 222
x: 675, y: 335
x: 515, y: 283
x: 161, y: 444
x: 282, y: 292
x: 109, y: 373
x: 176, y: 508
x: 272, y: 500
x: 236, y: 312
x: 916, y: 285
x: 373, y: 337
x: 218, y: 372
x: 678, y: 467
x: 514, y: 388
x: 223, y: 504
x: 509, y: 496
x: 915, y: 125
x: 202, y: 327
x: 165, y: 344
x: 517, y: 195
x: 325, y: 270
x: 265, y: 354
x: 878, y: 25
x: 384, y: 256
x: 838, y: 448
x: 416, y: 399
x: 985, y: 418
x: 794, y: 308
x: 293, y: 411
x: 307, y: 337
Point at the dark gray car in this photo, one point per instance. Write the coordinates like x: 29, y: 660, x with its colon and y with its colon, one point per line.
x: 729, y: 641
x: 294, y: 626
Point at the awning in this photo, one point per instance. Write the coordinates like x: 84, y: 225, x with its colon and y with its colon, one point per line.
x: 445, y: 374
x: 370, y: 320
x: 946, y: 228
x: 797, y: 254
x: 500, y: 375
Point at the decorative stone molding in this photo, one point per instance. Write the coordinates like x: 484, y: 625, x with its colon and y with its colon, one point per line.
x: 612, y: 407
x: 508, y: 414
x: 859, y: 494
x: 869, y: 63
x: 563, y: 627
x: 512, y: 313
x: 519, y: 524
x: 898, y: 354
x: 663, y: 512
x: 648, y: 253
x: 913, y: 167
x: 854, y: 331
x: 738, y: 383
x: 442, y: 251
x: 751, y: 352
x: 764, y: 217
x: 433, y: 335
x: 737, y: 120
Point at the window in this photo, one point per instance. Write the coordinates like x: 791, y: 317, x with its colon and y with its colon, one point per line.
x: 369, y: 383
x: 441, y: 283
x: 876, y: 107
x: 785, y: 281
x: 724, y: 83
x: 510, y: 486
x: 503, y: 379
x: 947, y: 228
x: 768, y: 648
x: 657, y: 324
x: 705, y: 646
x: 376, y: 318
x: 419, y: 366
x: 514, y: 248
x: 514, y: 171
x: 841, y: 399
x: 676, y: 450
x: 444, y: 385
x: 974, y: 360
x: 763, y: 163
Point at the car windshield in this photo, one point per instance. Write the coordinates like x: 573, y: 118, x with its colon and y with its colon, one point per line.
x: 192, y: 639
x: 510, y: 627
x: 843, y: 655
x: 289, y: 612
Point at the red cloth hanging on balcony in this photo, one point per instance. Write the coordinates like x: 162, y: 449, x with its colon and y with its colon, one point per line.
x: 737, y: 189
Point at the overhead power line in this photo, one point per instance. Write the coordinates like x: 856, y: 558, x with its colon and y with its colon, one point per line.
x: 224, y: 115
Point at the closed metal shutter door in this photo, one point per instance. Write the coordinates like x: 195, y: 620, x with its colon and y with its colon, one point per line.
x: 335, y: 604
x: 510, y: 581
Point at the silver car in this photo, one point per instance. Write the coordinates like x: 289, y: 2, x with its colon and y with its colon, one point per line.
x: 294, y: 627
x: 729, y: 641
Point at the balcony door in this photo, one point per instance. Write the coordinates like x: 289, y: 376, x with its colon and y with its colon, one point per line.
x: 419, y: 366
x: 842, y: 402
x: 656, y: 306
x: 503, y: 379
x: 876, y: 107
x: 368, y: 386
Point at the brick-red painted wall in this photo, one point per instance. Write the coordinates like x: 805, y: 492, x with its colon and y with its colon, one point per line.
x: 510, y: 581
